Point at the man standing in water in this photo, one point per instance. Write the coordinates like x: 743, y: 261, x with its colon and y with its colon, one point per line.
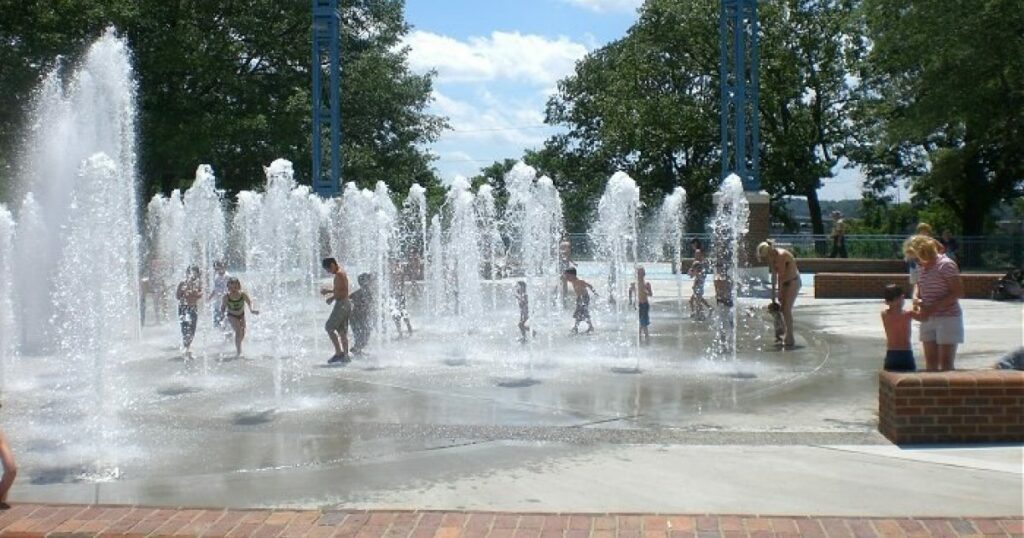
x: 337, y: 323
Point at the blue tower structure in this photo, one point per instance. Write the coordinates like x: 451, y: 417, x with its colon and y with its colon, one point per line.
x: 738, y: 30
x: 326, y: 34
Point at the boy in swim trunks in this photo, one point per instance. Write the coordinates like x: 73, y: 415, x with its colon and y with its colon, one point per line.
x: 899, y: 355
x: 337, y: 323
x: 581, y: 288
x: 698, y: 272
x: 189, y: 293
x: 643, y: 303
x: 233, y: 304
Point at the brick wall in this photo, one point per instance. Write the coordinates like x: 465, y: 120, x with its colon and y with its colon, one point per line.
x: 863, y: 285
x: 850, y: 265
x: 758, y: 225
x: 978, y: 406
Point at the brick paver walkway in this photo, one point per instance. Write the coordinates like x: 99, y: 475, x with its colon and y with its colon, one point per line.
x: 63, y: 520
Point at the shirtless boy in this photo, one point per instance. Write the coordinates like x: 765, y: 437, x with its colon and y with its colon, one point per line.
x: 899, y: 355
x: 583, y: 290
x: 189, y: 293
x: 643, y: 303
x: 337, y: 323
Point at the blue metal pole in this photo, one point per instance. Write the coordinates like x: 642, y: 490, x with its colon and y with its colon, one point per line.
x: 723, y: 83
x: 740, y: 76
x: 755, y: 99
x: 325, y: 37
x: 315, y: 102
x: 335, y: 99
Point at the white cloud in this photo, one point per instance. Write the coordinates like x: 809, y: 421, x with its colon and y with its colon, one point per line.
x: 517, y: 123
x: 606, y: 6
x: 530, y: 58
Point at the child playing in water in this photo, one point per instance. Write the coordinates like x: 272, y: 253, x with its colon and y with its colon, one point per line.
x: 362, y: 312
x: 698, y: 274
x: 899, y: 356
x: 580, y: 287
x: 220, y: 289
x: 233, y: 303
x: 524, y: 309
x: 643, y: 304
x: 775, y: 310
x: 189, y: 293
x: 399, y: 311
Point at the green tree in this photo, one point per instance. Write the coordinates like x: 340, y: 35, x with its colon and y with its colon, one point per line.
x: 649, y: 102
x: 809, y: 51
x: 227, y: 83
x: 35, y: 36
x: 645, y: 104
x: 494, y: 175
x: 943, y: 103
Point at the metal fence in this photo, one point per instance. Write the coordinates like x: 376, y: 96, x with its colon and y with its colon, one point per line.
x: 990, y: 252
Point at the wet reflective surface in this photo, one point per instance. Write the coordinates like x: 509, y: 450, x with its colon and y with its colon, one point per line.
x: 273, y: 427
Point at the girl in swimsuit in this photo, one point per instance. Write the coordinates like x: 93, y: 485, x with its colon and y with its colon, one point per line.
x: 233, y: 304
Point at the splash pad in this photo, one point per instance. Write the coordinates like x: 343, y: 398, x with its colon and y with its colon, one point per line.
x: 96, y: 396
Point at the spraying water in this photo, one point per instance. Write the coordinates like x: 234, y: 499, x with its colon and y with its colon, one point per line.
x: 79, y: 163
x: 615, y: 232
x: 728, y: 229
x: 671, y: 222
x: 8, y: 325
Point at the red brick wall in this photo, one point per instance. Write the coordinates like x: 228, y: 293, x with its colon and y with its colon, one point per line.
x: 862, y: 285
x: 951, y: 407
x: 850, y: 265
x: 758, y: 226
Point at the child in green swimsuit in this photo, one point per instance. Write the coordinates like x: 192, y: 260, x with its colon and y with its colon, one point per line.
x: 234, y: 305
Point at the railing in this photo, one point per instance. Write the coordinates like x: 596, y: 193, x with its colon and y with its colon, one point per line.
x: 990, y: 252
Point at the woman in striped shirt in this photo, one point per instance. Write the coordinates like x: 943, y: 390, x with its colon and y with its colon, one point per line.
x: 939, y: 292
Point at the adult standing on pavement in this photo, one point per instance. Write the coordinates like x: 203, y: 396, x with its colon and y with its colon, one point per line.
x: 940, y: 290
x: 925, y: 229
x: 785, y: 283
x: 951, y: 245
x: 838, y: 236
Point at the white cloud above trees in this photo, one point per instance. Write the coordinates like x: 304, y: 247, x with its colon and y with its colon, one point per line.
x: 528, y: 58
x: 607, y: 6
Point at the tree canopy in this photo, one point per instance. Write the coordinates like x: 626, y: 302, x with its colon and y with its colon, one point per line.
x: 228, y: 83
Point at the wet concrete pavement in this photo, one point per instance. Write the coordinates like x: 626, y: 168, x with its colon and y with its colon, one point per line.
x: 774, y: 432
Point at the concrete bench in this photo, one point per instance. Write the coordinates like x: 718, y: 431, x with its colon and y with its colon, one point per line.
x: 966, y: 406
x: 861, y: 286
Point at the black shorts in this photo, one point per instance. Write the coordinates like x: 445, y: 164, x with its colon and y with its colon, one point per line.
x: 901, y: 360
x: 645, y: 314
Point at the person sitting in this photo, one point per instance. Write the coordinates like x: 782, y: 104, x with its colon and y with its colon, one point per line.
x: 1010, y: 287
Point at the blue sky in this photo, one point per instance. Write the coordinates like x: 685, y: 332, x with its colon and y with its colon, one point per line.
x: 498, y: 61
